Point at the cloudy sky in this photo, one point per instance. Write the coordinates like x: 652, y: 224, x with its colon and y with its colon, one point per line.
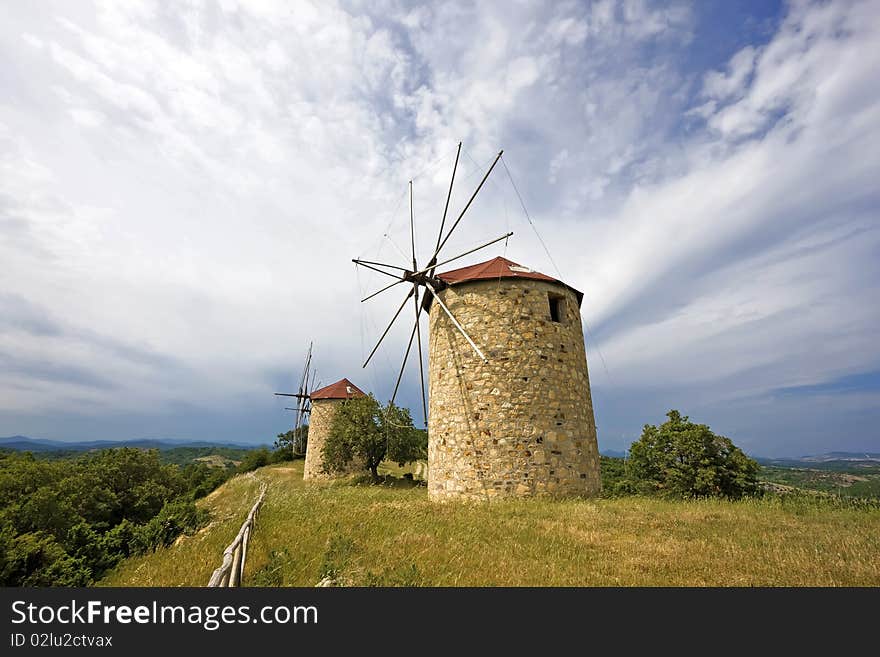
x: 183, y: 186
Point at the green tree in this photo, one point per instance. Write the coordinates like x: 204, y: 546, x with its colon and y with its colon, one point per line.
x: 256, y: 458
x: 365, y: 433
x: 65, y: 522
x: 286, y: 442
x: 615, y: 482
x: 685, y: 459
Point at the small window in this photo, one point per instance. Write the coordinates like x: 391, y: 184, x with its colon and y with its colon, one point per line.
x: 557, y: 307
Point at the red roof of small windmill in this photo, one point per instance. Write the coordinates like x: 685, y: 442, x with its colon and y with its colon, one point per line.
x: 342, y: 389
x: 499, y: 268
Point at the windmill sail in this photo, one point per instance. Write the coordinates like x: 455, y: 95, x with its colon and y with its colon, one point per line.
x: 424, y: 277
x: 303, y: 405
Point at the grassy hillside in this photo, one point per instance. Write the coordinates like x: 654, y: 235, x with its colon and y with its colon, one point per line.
x: 393, y: 535
x: 860, y: 481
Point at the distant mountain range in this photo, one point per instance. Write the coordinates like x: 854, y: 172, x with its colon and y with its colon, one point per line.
x: 838, y: 459
x: 23, y: 443
x: 843, y: 456
x: 829, y: 457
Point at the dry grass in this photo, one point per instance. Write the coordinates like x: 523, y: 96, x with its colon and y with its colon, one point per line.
x: 396, y: 536
x: 192, y: 559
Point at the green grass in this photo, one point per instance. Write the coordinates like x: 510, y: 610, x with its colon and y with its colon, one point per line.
x: 392, y: 535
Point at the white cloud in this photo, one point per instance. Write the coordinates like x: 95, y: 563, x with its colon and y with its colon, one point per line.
x: 33, y: 41
x: 181, y: 191
x: 720, y: 86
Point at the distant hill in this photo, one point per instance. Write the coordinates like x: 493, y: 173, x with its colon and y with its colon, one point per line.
x: 842, y: 456
x: 793, y: 461
x: 23, y: 443
x: 827, y: 461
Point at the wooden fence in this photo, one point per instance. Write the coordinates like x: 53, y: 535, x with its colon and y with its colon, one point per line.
x: 231, y: 571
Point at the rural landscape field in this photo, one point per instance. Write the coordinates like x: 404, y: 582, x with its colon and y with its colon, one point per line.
x: 162, y: 514
x: 392, y: 535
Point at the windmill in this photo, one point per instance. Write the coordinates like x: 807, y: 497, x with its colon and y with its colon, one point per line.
x: 423, y: 283
x: 511, y: 416
x: 303, y: 403
x: 324, y: 405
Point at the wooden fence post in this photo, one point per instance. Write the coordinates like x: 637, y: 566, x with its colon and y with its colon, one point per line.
x: 231, y: 571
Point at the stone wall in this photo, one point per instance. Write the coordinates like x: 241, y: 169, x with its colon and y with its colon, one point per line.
x: 320, y: 420
x: 521, y: 424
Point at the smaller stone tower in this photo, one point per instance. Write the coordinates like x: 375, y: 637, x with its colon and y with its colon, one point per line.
x: 325, y: 403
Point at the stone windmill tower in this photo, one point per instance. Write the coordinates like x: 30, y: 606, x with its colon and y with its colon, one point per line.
x: 324, y: 404
x: 510, y: 406
x: 520, y: 422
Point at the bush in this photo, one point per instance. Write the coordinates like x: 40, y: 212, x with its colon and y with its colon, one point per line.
x: 258, y: 458
x: 36, y: 559
x: 364, y: 433
x: 66, y: 522
x: 202, y: 479
x: 614, y: 479
x: 683, y: 459
x: 176, y: 518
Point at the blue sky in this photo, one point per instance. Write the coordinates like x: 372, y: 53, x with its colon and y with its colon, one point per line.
x: 182, y: 188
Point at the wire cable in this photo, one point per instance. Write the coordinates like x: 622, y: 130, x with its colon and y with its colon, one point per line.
x: 553, y: 262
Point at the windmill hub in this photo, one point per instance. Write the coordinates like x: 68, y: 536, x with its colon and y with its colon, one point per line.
x: 423, y: 279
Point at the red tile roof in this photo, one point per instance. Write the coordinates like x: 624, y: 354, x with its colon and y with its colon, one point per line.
x: 497, y: 268
x: 342, y: 389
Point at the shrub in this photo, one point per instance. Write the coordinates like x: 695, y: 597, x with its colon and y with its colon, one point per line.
x: 684, y: 459
x: 364, y: 433
x: 177, y: 517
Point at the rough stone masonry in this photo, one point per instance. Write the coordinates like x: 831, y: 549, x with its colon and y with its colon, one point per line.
x: 522, y: 423
x: 325, y: 403
x: 320, y: 420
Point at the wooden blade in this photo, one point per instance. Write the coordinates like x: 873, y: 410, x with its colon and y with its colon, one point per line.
x: 473, y: 196
x: 448, y: 197
x: 456, y: 324
x: 369, y: 266
x: 305, y: 376
x: 421, y: 367
x: 429, y: 270
x: 379, y: 264
x: 295, y: 426
x: 412, y: 227
x: 388, y: 328
x: 387, y: 287
x: 402, y: 367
